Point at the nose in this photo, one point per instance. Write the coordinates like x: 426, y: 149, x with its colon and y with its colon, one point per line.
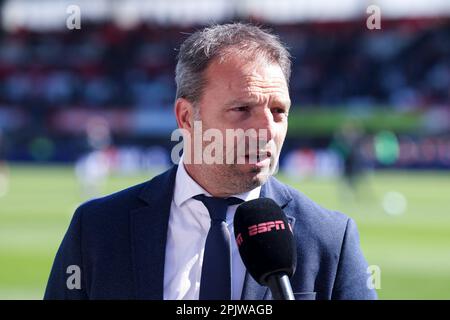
x: 265, y: 124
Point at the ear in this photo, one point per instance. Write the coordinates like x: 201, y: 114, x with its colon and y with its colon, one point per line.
x: 184, y: 113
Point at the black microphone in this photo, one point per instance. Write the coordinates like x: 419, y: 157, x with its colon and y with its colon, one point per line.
x: 266, y: 245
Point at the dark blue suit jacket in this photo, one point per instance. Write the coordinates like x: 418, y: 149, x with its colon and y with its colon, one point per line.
x: 119, y: 243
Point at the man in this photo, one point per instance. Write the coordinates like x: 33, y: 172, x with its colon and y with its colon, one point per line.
x: 151, y: 241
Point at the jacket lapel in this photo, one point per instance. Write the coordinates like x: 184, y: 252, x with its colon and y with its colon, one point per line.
x: 149, y: 233
x: 278, y: 192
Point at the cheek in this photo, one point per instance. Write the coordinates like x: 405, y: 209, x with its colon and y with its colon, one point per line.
x: 278, y: 140
x: 280, y: 134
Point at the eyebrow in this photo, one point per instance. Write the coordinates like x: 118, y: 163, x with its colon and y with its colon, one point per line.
x: 249, y: 101
x: 240, y: 101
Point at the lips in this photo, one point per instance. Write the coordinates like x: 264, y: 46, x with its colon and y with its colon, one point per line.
x: 260, y: 156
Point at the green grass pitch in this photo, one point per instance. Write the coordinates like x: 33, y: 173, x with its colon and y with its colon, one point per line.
x: 412, y: 249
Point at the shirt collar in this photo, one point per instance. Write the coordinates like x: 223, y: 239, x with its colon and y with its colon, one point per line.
x: 186, y: 188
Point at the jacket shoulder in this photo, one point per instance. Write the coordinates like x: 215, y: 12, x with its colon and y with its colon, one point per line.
x: 328, y: 248
x: 114, y: 202
x: 122, y: 202
x: 315, y: 221
x: 307, y: 206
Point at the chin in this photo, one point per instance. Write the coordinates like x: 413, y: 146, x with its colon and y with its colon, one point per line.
x: 259, y: 176
x: 251, y: 176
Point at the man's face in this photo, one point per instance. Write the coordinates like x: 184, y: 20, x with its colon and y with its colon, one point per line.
x: 243, y: 93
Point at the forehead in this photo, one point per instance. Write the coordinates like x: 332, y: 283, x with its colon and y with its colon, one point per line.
x: 244, y: 77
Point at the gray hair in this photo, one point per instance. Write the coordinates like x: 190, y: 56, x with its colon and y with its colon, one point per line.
x: 201, y: 47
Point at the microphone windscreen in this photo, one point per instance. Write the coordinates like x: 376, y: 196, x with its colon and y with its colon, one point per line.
x: 264, y: 238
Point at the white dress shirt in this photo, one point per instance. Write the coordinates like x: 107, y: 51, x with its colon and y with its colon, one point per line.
x: 189, y: 224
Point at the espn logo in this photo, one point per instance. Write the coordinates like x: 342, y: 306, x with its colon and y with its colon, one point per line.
x: 265, y: 227
x: 262, y: 228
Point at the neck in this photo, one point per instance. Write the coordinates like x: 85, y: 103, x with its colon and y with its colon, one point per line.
x: 192, y: 171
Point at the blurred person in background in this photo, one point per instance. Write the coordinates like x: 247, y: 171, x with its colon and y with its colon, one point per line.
x: 93, y: 168
x: 4, y: 171
x: 348, y: 143
x: 148, y: 241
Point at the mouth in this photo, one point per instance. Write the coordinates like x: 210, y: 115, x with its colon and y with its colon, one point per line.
x: 259, y: 159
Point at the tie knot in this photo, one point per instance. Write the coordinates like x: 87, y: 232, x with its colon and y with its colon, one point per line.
x: 217, y: 207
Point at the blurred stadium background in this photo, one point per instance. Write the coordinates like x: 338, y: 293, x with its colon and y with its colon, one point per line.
x: 88, y: 111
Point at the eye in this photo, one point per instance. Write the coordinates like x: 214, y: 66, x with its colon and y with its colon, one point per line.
x: 279, y: 110
x: 241, y: 109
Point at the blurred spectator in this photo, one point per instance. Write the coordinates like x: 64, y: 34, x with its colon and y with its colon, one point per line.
x: 4, y: 172
x: 104, y: 66
x: 336, y: 65
x: 347, y: 143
